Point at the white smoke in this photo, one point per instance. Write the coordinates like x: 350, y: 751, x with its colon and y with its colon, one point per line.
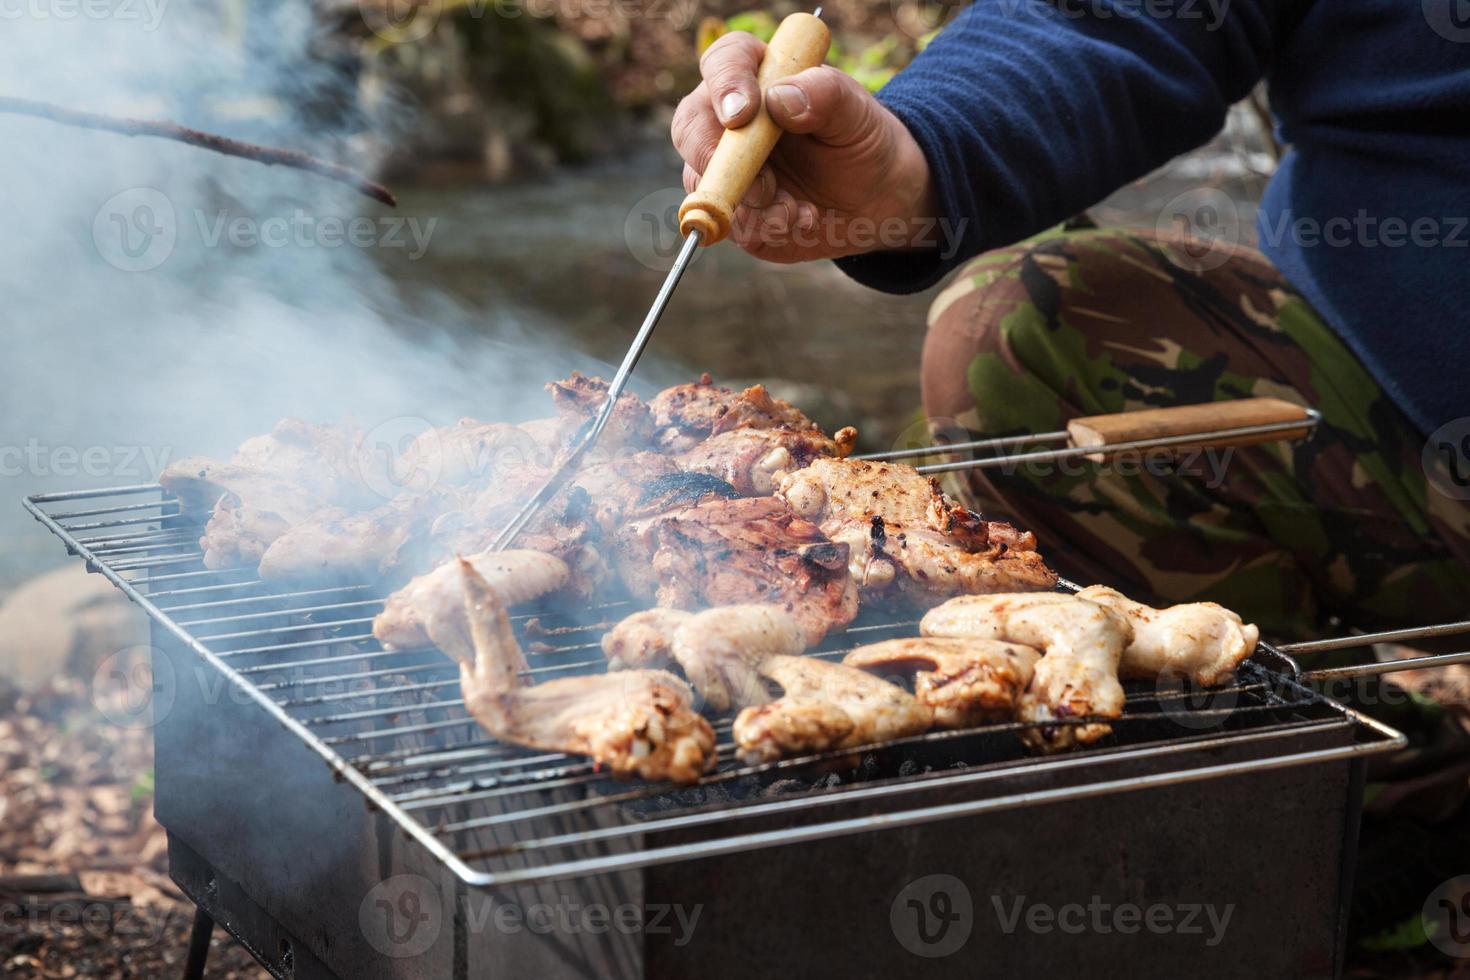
x: 160, y: 300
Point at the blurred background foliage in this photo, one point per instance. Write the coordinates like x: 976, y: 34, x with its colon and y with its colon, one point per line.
x: 502, y: 88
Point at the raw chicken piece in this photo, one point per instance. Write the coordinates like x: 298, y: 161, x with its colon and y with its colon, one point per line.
x: 1078, y: 676
x: 635, y: 722
x: 720, y: 650
x: 907, y: 538
x: 824, y: 706
x: 965, y: 681
x: 1199, y: 640
x: 746, y: 550
x: 516, y: 576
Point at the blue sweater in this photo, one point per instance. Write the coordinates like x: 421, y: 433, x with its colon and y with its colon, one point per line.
x: 1029, y: 111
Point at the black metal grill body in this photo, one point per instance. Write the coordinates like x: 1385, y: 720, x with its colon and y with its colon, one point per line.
x: 330, y: 804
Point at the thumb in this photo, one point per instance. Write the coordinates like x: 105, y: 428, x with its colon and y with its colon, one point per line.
x: 824, y: 102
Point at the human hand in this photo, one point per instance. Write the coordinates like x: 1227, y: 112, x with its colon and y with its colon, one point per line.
x: 847, y: 177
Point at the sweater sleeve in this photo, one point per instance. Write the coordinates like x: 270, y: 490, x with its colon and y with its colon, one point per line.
x: 1030, y: 111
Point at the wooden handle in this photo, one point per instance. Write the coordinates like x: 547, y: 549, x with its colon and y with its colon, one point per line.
x: 1157, y: 423
x: 800, y: 42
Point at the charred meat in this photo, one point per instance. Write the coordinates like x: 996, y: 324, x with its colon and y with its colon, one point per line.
x: 907, y: 538
x: 747, y: 550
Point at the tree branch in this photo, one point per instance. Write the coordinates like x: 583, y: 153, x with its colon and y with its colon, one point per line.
x: 268, y: 155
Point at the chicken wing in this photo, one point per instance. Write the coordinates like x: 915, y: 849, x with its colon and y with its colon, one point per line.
x: 907, y: 538
x: 1199, y: 640
x: 964, y: 681
x: 1083, y: 643
x: 644, y: 639
x: 720, y: 649
x: 824, y: 706
x: 745, y: 550
x: 516, y: 576
x: 635, y: 722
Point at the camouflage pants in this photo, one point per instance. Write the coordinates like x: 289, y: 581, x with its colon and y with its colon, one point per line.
x: 1344, y: 524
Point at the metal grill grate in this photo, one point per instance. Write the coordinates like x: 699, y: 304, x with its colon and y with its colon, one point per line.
x: 392, y: 723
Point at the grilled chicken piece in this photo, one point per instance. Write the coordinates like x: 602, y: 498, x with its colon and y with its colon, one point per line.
x: 319, y: 463
x: 636, y: 722
x: 720, y: 649
x: 1199, y: 640
x: 464, y: 453
x: 907, y: 538
x: 579, y: 398
x: 753, y: 461
x: 964, y: 681
x: 516, y: 576
x: 1077, y: 677
x: 578, y: 525
x: 824, y: 706
x: 747, y: 550
x: 237, y: 535
x: 357, y: 547
x: 749, y: 439
x: 686, y: 415
x: 272, y: 483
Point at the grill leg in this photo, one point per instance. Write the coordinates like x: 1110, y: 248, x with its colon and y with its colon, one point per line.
x: 198, y: 945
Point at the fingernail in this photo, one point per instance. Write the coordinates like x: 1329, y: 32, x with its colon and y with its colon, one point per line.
x: 790, y: 98
x: 732, y: 105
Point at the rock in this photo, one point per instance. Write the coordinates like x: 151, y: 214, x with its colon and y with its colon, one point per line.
x: 66, y: 621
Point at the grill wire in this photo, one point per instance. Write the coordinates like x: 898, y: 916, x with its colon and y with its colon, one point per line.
x: 397, y: 718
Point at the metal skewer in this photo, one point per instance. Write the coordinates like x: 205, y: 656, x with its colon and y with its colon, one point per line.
x: 568, y: 467
x: 800, y: 42
x: 1097, y: 437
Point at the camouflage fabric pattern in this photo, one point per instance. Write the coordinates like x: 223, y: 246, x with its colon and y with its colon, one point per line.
x: 1344, y: 524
